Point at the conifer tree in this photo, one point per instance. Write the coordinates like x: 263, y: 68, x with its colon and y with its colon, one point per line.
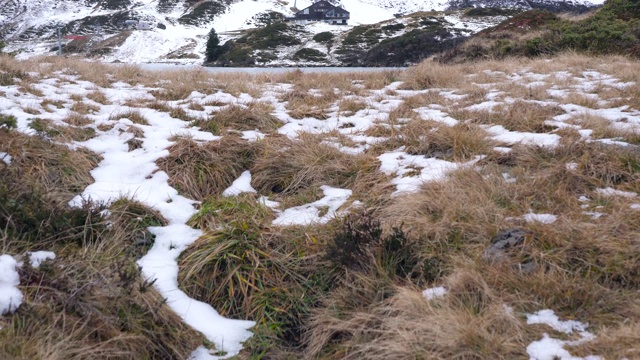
x: 213, y: 50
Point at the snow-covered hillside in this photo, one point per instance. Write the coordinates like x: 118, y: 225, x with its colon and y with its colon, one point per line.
x: 176, y: 31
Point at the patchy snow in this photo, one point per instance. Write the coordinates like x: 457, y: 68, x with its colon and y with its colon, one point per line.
x: 571, y: 166
x: 10, y: 295
x: 548, y: 317
x: 549, y: 348
x: 240, y: 185
x: 318, y: 212
x: 508, y: 178
x: 37, y: 257
x: 414, y: 170
x: 6, y: 158
x: 264, y: 200
x: 436, y: 115
x: 553, y: 349
x: 613, y: 192
x: 434, y: 293
x: 541, y: 218
x: 635, y: 206
x: 253, y: 135
x: 594, y: 214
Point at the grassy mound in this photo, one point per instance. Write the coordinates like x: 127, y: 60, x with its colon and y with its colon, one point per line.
x: 612, y: 29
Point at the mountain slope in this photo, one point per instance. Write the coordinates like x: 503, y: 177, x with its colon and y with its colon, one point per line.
x: 175, y: 30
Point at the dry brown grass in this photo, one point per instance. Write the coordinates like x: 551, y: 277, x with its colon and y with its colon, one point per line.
x: 302, y: 103
x: 59, y: 171
x: 77, y: 119
x: 253, y: 116
x: 31, y: 110
x: 349, y: 107
x: 132, y: 114
x: 430, y: 74
x: 461, y: 142
x: 99, y: 97
x: 518, y: 116
x: 470, y: 322
x: 288, y: 166
x: 84, y: 108
x: 201, y: 171
x: 178, y: 85
x: 306, y: 303
x: 46, y: 104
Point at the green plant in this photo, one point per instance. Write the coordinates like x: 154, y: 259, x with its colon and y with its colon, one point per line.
x: 361, y: 245
x: 8, y: 122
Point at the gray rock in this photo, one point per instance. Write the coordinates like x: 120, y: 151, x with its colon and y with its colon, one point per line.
x: 505, y: 242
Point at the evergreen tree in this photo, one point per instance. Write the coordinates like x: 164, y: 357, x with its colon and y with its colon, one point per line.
x: 214, y: 50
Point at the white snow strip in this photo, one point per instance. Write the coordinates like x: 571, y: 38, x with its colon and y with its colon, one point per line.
x: 10, y: 295
x: 240, y: 185
x: 512, y: 137
x: 434, y: 293
x: 310, y: 213
x: 613, y: 192
x: 37, y: 257
x: 548, y: 317
x: 541, y: 218
x: 594, y: 214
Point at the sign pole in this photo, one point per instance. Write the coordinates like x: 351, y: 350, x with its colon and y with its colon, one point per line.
x: 59, y: 40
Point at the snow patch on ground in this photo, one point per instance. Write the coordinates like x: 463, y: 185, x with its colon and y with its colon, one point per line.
x: 37, y: 257
x: 613, y: 192
x: 6, y: 158
x: 541, y: 218
x: 414, y: 170
x: 527, y: 138
x: 549, y: 348
x: 318, y: 212
x: 10, y: 295
x: 240, y: 185
x: 434, y: 293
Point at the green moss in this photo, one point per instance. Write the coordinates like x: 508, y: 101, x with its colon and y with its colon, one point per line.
x: 307, y: 54
x: 366, y: 35
x: 323, y: 37
x: 269, y: 37
x: 202, y: 14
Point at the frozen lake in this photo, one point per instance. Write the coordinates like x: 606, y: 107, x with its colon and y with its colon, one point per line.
x: 267, y: 70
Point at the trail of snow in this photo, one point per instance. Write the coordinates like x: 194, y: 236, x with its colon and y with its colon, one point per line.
x: 134, y: 174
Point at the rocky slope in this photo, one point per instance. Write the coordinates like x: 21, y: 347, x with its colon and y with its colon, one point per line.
x: 175, y: 30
